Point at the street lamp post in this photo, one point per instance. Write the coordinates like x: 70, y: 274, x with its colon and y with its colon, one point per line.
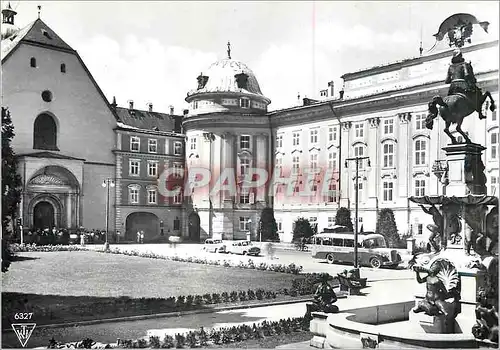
x: 356, y: 160
x: 107, y: 183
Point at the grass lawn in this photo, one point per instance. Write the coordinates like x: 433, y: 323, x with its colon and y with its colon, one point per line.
x: 89, y: 273
x: 73, y: 286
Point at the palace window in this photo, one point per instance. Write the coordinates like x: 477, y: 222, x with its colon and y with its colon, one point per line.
x: 152, y: 145
x: 332, y: 160
x: 296, y: 187
x: 388, y: 187
x: 244, y: 103
x: 279, y: 165
x: 420, y: 121
x: 135, y: 144
x: 45, y: 133
x: 177, y: 224
x: 244, y: 166
x: 420, y: 229
x: 178, y: 195
x: 244, y: 223
x: 152, y: 196
x: 133, y: 194
x: 193, y: 142
x: 359, y: 151
x: 244, y: 196
x: 279, y: 224
x: 331, y: 221
x: 360, y: 189
x: 388, y: 126
x: 313, y: 161
x: 244, y: 142
x: 493, y: 185
x: 279, y: 141
x: 420, y: 188
x: 178, y: 170
x: 494, y: 116
x: 388, y: 155
x: 63, y: 68
x: 332, y: 134
x: 33, y: 62
x: 494, y: 145
x: 152, y: 168
x: 332, y: 192
x: 420, y: 152
x: 134, y: 167
x: 314, y: 136
x: 296, y: 139
x: 178, y: 148
x: 358, y: 130
x: 295, y: 164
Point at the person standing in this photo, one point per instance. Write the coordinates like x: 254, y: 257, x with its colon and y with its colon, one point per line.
x: 138, y: 236
x: 142, y: 237
x: 82, y: 239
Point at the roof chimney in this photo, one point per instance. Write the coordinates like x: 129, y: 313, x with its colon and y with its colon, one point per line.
x: 331, y: 85
x: 113, y: 104
x: 171, y: 109
x: 150, y: 106
x: 130, y: 104
x: 185, y: 112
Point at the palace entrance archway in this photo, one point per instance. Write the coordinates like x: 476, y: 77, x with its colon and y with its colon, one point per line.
x: 43, y: 215
x: 141, y: 221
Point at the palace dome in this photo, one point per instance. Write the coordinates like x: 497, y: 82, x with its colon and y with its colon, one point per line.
x: 228, y: 75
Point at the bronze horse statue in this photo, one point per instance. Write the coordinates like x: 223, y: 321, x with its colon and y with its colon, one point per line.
x: 464, y: 98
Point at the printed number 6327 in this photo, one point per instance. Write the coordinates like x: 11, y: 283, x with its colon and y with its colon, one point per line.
x: 23, y: 315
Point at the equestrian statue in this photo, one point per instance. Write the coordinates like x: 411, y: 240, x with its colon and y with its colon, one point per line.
x: 464, y: 96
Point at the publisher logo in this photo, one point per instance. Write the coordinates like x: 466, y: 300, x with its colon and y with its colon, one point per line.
x: 23, y: 331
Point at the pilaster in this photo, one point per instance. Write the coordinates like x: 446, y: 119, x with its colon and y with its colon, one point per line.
x: 345, y: 128
x: 262, y: 152
x: 372, y: 152
x: 401, y: 155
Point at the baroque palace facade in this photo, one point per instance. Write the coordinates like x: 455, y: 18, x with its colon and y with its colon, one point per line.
x: 70, y: 139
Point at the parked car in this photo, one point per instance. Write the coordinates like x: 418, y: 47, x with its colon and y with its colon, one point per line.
x: 214, y: 246
x: 243, y: 247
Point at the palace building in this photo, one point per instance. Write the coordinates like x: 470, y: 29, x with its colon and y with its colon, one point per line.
x: 70, y: 140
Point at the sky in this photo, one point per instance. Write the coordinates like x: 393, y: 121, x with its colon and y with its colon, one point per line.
x: 152, y: 51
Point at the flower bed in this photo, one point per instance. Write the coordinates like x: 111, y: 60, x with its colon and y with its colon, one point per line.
x: 290, y: 268
x: 201, y: 338
x: 25, y: 248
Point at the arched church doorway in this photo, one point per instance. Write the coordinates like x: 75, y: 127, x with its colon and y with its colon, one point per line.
x: 194, y: 227
x: 148, y: 223
x: 43, y: 215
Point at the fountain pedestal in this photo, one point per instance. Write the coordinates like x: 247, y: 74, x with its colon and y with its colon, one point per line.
x: 465, y: 170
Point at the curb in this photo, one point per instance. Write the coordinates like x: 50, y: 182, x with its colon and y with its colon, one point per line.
x: 168, y: 314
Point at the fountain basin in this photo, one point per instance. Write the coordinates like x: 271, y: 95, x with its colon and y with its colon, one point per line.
x: 382, y: 326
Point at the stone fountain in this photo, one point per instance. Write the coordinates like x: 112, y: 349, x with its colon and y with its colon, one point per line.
x: 459, y: 306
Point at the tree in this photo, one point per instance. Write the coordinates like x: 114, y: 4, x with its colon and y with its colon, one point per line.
x: 343, y: 218
x: 302, y: 228
x: 268, y: 229
x: 11, y: 183
x: 386, y: 226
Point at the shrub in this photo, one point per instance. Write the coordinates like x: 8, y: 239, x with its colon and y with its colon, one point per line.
x: 191, y: 339
x: 242, y: 295
x: 207, y: 298
x: 168, y: 342
x: 180, y: 302
x: 343, y: 218
x: 198, y: 300
x: 180, y: 340
x: 233, y: 296
x: 216, y: 298
x: 259, y: 293
x: 215, y: 336
x: 189, y: 300
x: 386, y: 226
x: 251, y: 294
x: 302, y: 228
x: 203, y: 337
x: 225, y: 297
x: 154, y: 342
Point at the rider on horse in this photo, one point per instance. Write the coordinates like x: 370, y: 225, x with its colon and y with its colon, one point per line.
x: 461, y: 77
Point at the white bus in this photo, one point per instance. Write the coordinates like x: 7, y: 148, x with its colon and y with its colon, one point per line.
x: 339, y: 247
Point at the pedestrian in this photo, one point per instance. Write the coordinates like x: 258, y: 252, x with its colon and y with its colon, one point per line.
x: 142, y: 237
x: 138, y: 236
x: 82, y: 239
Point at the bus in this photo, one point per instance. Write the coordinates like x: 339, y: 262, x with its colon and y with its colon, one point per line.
x: 339, y: 247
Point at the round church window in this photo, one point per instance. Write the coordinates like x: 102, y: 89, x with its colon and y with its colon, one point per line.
x: 47, y: 96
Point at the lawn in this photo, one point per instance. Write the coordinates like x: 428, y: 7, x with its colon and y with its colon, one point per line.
x: 83, y: 285
x: 90, y: 273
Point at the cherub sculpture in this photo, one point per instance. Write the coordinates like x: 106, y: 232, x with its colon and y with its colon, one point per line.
x: 324, y: 297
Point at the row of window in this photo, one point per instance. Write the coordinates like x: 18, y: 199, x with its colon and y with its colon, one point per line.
x: 134, y: 168
x: 151, y: 195
x: 243, y: 102
x: 33, y: 65
x: 244, y: 142
x: 135, y: 146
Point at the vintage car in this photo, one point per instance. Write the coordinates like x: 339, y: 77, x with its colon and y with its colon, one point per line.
x: 243, y: 247
x: 214, y: 246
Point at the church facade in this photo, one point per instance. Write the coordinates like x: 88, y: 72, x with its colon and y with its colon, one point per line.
x: 70, y: 139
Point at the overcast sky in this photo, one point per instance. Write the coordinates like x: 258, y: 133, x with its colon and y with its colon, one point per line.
x: 153, y: 51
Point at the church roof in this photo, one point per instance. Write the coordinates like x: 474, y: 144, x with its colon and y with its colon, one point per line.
x: 45, y: 154
x: 37, y: 33
x: 148, y: 121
